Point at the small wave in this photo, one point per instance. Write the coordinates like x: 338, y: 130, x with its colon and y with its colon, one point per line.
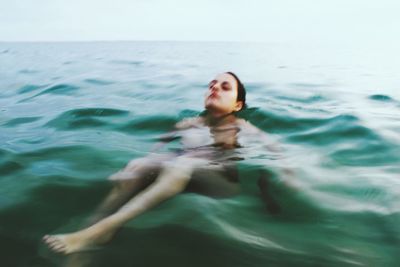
x: 367, y: 153
x: 5, y: 154
x: 187, y: 113
x: 18, y: 121
x: 59, y: 89
x: 247, y: 237
x: 308, y: 100
x: 50, y: 152
x: 341, y: 128
x: 9, y: 167
x: 365, y: 192
x: 309, y: 85
x: 280, y: 123
x: 151, y: 123
x: 79, y: 123
x: 257, y: 87
x: 383, y: 98
x: 97, y: 112
x: 85, y: 118
x: 28, y: 71
x: 30, y: 88
x: 70, y: 153
x: 98, y: 82
x: 127, y: 62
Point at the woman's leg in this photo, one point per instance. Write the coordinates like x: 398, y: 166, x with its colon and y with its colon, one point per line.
x: 137, y: 175
x: 215, y: 181
x: 172, y: 180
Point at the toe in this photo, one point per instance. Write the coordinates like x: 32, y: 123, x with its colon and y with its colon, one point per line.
x: 53, y: 245
x: 58, y: 246
x: 50, y: 240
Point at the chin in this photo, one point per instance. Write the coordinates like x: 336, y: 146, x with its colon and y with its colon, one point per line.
x: 211, y: 107
x: 208, y: 106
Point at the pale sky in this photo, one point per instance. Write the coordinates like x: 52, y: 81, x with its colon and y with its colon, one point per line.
x: 330, y: 21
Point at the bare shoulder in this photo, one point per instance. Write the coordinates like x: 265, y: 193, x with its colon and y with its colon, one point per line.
x: 189, y: 123
x: 247, y: 126
x: 270, y: 141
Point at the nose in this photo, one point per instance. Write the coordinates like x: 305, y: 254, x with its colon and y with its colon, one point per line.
x: 215, y: 87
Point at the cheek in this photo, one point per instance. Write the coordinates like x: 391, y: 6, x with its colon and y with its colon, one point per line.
x: 230, y: 98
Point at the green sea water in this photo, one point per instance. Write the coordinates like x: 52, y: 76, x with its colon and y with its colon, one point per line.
x: 71, y: 114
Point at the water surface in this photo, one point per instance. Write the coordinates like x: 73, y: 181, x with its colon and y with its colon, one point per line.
x: 71, y: 114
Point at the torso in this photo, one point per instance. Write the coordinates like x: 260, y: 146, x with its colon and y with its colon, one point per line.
x: 196, y: 133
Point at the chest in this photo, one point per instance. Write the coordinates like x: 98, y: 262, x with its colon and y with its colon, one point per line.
x: 200, y: 136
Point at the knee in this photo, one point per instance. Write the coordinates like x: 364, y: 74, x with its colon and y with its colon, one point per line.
x: 120, y: 175
x: 175, y: 173
x: 144, y: 164
x: 176, y: 186
x: 137, y: 163
x: 175, y: 180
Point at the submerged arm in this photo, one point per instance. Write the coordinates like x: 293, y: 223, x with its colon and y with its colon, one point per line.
x: 267, y: 142
x: 165, y: 139
x: 174, y: 135
x: 263, y: 181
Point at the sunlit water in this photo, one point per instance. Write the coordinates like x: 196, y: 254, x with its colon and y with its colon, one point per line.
x: 71, y: 114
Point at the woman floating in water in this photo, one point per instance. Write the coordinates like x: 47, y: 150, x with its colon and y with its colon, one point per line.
x: 205, y: 165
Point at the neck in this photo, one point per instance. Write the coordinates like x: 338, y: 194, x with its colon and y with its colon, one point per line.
x: 214, y: 119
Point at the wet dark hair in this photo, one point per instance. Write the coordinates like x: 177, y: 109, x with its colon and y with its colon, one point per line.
x: 241, y: 96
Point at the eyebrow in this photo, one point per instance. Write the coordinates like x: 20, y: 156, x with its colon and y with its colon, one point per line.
x: 213, y: 81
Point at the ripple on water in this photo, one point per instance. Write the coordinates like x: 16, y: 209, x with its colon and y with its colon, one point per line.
x: 383, y: 98
x: 30, y: 88
x: 341, y: 128
x: 149, y: 123
x: 10, y: 166
x: 98, y: 82
x: 19, y: 121
x: 128, y: 62
x: 276, y: 122
x: 4, y: 153
x: 309, y: 85
x: 8, y: 163
x: 98, y: 112
x: 307, y: 100
x: 367, y: 152
x: 28, y: 71
x: 81, y: 156
x: 59, y: 89
x: 86, y: 118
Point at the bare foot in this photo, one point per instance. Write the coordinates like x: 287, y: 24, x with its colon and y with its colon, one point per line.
x: 75, y: 242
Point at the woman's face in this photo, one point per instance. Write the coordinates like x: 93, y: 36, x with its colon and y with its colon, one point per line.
x: 222, y: 94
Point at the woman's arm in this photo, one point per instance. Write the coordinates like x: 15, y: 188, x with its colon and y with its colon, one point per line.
x: 267, y: 142
x: 263, y: 181
x: 164, y: 139
x: 174, y: 134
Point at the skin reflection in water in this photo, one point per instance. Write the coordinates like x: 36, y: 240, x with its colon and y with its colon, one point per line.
x: 204, y: 165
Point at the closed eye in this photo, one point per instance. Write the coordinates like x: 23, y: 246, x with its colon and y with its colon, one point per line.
x: 226, y: 86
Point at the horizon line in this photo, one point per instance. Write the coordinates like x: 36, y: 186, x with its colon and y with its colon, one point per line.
x: 131, y: 40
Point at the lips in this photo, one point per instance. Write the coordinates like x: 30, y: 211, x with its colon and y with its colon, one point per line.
x: 213, y: 95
